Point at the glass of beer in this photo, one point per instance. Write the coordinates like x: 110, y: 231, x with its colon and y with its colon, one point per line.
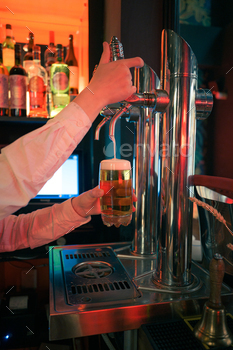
x: 116, y: 204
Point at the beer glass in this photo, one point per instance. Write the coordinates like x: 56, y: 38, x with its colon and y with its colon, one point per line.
x: 115, y: 180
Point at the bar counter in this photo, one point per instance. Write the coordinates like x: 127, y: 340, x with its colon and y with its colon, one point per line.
x: 153, y: 304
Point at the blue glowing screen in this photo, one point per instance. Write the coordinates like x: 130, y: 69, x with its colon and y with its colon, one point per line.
x: 64, y: 183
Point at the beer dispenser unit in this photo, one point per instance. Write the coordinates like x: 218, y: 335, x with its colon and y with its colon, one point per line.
x: 165, y: 157
x: 158, y: 261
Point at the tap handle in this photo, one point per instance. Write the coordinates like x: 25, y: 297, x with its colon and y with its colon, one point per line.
x: 217, y: 270
x: 116, y: 49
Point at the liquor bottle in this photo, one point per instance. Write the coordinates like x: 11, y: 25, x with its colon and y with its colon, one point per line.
x: 4, y: 105
x: 18, y: 86
x: 73, y: 67
x: 37, y: 77
x: 49, y: 59
x: 8, y: 49
x: 59, y: 83
x: 50, y: 52
x: 28, y: 57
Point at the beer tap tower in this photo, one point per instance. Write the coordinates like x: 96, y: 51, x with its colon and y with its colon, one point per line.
x: 165, y: 157
x: 178, y: 135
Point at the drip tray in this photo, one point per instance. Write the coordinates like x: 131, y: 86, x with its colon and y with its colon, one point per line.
x: 93, y: 276
x: 176, y: 334
x: 93, y: 292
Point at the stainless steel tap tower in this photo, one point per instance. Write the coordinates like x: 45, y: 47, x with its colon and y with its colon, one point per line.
x: 165, y: 157
x: 146, y: 168
x: 178, y: 140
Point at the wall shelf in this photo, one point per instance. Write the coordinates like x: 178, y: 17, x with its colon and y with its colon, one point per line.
x: 11, y: 128
x: 21, y: 120
x: 40, y: 17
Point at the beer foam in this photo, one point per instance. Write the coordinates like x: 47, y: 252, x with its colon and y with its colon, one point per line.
x: 115, y: 164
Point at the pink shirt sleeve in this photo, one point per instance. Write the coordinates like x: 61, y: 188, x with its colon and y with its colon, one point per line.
x: 29, y: 162
x: 39, y: 227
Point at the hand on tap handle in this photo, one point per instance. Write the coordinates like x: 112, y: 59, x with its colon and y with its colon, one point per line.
x: 111, y: 83
x: 113, y: 79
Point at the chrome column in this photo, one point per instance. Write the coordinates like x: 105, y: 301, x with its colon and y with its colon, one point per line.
x: 146, y: 170
x: 178, y: 125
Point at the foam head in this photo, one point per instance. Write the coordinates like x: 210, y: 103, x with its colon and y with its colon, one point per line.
x: 115, y: 164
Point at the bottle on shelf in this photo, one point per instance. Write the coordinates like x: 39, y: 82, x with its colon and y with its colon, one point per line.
x: 50, y: 52
x: 4, y: 104
x: 72, y: 62
x: 28, y: 57
x: 18, y: 86
x: 49, y: 59
x: 28, y: 61
x: 37, y: 78
x: 59, y: 83
x: 8, y: 49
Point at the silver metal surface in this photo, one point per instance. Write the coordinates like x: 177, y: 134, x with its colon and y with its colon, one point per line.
x: 178, y: 125
x: 157, y: 100
x: 132, y: 114
x: 92, y: 276
x: 203, y: 103
x: 112, y: 124
x: 99, y: 126
x: 102, y: 274
x: 207, y: 193
x: 70, y: 321
x: 146, y: 169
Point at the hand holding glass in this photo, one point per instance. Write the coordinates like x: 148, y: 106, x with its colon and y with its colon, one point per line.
x: 116, y: 204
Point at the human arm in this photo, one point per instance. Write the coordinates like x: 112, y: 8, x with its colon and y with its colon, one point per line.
x: 46, y: 225
x: 29, y: 162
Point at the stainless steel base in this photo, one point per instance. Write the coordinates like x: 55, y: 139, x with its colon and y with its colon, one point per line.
x: 70, y: 321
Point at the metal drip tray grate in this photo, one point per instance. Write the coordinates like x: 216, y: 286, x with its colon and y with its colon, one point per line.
x: 95, y: 276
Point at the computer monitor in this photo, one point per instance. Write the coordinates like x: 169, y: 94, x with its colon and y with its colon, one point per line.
x: 64, y: 184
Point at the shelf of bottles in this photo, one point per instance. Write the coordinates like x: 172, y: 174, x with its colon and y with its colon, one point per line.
x: 30, y: 90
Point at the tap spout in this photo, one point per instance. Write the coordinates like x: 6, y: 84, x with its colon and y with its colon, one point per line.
x: 99, y: 126
x: 114, y: 119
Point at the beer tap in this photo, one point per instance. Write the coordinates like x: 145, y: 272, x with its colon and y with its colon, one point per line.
x: 116, y: 53
x: 99, y: 126
x: 145, y: 107
x: 158, y: 100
